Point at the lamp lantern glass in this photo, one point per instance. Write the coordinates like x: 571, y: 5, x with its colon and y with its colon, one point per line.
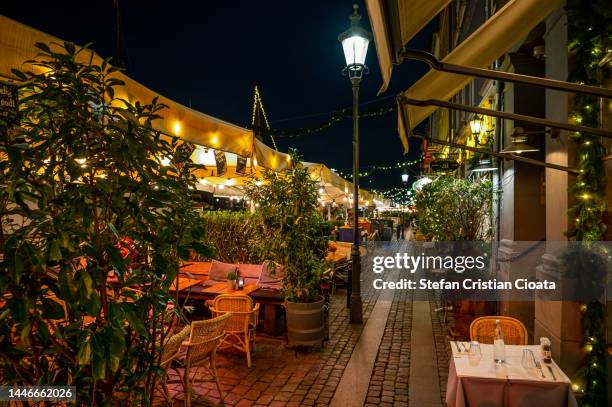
x: 477, y: 125
x: 404, y: 178
x: 355, y: 42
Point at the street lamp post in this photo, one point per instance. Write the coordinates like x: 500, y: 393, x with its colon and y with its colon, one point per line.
x: 355, y: 42
x: 405, y: 178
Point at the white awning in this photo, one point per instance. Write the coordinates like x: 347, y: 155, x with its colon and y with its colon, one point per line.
x: 510, y: 25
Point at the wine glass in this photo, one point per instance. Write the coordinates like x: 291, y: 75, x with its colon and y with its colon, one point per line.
x: 528, y: 360
x: 474, y: 353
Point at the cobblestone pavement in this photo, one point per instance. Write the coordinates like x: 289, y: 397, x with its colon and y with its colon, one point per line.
x: 281, y: 376
x: 389, y: 381
x: 441, y: 341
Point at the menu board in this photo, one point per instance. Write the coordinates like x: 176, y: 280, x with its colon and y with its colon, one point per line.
x: 221, y: 163
x: 241, y: 164
x: 8, y: 103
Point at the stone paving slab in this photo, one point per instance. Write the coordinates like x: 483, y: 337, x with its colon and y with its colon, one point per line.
x: 389, y: 379
x: 353, y: 387
x: 442, y: 344
x: 423, y: 384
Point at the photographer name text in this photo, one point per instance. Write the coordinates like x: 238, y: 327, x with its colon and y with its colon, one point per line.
x: 466, y: 284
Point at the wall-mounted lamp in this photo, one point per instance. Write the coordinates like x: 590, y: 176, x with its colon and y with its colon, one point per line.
x: 519, y: 142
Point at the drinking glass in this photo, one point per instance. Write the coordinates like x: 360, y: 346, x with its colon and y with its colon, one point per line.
x: 474, y: 354
x: 528, y: 360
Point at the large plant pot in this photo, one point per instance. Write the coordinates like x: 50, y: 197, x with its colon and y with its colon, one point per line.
x: 305, y: 322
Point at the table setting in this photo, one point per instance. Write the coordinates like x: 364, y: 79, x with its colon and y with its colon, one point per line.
x: 522, y: 379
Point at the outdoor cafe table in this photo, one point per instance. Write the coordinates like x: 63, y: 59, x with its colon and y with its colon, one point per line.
x: 184, y: 283
x: 336, y: 257
x: 270, y: 299
x: 223, y: 288
x: 487, y: 384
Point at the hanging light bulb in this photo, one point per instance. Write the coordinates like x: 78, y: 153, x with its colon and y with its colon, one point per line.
x: 164, y: 161
x: 177, y: 128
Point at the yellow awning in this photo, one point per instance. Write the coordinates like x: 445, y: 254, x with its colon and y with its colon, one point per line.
x: 394, y: 24
x: 497, y: 35
x: 17, y: 46
x: 335, y: 188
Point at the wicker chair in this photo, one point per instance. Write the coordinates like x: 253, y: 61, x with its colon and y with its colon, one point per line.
x: 201, y: 351
x: 240, y: 330
x: 170, y: 351
x: 482, y: 329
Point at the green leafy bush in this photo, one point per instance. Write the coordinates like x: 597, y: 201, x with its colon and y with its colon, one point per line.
x: 83, y: 194
x: 235, y: 237
x: 453, y: 209
x: 296, y: 235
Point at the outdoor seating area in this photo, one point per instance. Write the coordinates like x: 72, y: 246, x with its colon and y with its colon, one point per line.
x: 166, y: 240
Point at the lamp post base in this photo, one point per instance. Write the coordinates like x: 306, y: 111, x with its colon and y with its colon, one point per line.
x: 355, y: 304
x: 356, y: 309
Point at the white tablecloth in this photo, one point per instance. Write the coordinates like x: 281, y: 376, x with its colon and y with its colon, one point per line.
x: 486, y: 384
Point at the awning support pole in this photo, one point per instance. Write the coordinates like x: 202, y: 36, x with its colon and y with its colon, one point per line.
x: 495, y: 154
x: 503, y: 156
x: 438, y: 65
x: 509, y: 116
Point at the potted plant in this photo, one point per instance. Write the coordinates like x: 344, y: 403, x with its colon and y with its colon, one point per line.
x: 296, y: 238
x: 231, y: 280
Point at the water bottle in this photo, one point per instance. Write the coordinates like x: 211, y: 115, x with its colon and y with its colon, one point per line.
x: 499, y: 350
x: 546, y: 350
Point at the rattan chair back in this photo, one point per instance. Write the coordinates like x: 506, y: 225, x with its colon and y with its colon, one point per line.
x: 482, y: 329
x: 204, y: 338
x: 172, y: 346
x: 240, y: 306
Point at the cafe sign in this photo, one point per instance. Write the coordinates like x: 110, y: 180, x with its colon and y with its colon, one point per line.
x: 444, y: 165
x: 8, y: 103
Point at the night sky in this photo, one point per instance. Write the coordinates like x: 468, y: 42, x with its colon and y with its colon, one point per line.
x: 209, y: 55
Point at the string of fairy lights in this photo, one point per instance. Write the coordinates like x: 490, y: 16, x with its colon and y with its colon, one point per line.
x: 400, y: 195
x: 257, y: 103
x: 589, y: 39
x: 335, y: 118
x: 370, y: 170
